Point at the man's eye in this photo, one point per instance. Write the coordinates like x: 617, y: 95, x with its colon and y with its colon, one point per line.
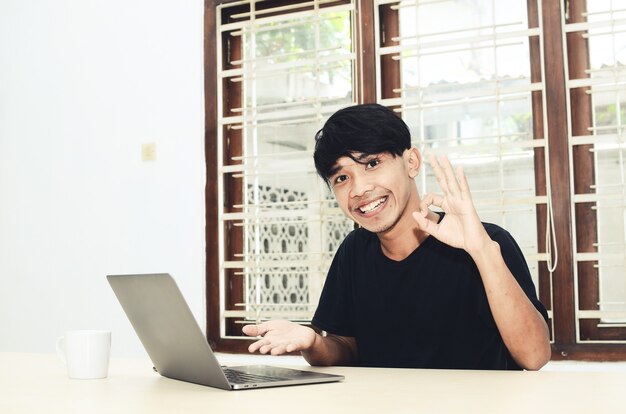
x: 340, y: 179
x: 373, y: 163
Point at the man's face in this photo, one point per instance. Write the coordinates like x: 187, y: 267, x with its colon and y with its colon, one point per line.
x: 375, y: 191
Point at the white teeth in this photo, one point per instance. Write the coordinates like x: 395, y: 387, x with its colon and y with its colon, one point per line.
x: 371, y: 206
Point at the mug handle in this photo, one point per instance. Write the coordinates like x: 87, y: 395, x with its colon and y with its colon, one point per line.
x: 61, y: 348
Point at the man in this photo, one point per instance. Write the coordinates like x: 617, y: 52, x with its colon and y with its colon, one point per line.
x: 411, y: 287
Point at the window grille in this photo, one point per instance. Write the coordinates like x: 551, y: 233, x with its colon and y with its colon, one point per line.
x: 466, y: 90
x: 481, y: 81
x: 600, y: 82
x: 293, y: 65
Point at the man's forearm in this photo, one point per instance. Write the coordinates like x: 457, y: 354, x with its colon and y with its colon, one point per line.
x: 523, y: 329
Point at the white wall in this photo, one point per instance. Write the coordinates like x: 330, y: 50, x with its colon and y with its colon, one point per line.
x: 83, y: 83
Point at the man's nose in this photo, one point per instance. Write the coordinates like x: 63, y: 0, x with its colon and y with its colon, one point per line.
x: 360, y: 185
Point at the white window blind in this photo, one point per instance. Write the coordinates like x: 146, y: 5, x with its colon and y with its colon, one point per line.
x: 603, y: 27
x: 293, y: 66
x: 466, y: 91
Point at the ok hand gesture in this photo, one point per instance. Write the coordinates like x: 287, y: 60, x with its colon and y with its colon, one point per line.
x: 461, y: 226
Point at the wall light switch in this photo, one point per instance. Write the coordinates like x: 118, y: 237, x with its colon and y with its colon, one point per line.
x: 148, y: 152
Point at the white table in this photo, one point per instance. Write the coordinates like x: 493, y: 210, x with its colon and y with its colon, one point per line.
x: 37, y: 383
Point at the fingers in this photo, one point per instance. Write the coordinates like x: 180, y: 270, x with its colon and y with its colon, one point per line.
x: 272, y: 349
x: 431, y: 200
x: 265, y: 346
x: 445, y: 175
x: 256, y: 330
x: 279, y: 337
x: 462, y: 181
x: 262, y: 345
x: 421, y: 217
x: 439, y: 174
x: 453, y: 182
x: 255, y: 346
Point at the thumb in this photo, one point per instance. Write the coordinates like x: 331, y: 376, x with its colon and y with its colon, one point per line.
x: 424, y: 223
x: 251, y: 330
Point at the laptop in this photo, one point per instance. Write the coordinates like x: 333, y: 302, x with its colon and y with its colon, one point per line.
x: 176, y: 345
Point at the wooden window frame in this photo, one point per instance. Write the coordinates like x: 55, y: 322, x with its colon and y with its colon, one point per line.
x: 563, y: 303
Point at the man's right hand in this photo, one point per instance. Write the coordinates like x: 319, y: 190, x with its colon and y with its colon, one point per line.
x: 280, y: 337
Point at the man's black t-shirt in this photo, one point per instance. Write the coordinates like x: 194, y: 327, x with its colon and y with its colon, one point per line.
x: 429, y: 310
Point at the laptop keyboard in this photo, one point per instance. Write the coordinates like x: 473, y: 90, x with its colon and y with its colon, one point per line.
x: 238, y: 377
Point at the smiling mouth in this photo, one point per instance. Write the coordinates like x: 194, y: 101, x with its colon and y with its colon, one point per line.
x: 368, y: 208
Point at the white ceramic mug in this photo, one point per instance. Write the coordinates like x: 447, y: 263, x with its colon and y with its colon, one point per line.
x: 85, y: 353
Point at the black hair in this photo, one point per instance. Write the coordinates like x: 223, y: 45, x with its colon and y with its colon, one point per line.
x: 362, y: 129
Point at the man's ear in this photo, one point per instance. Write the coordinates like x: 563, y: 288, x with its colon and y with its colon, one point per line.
x: 414, y: 161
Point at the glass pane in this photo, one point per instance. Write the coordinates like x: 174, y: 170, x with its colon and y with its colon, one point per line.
x: 295, y: 70
x: 299, y: 59
x: 606, y: 75
x: 466, y: 92
x: 611, y: 230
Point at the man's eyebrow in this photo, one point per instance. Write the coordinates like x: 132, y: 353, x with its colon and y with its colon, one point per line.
x: 359, y: 159
x: 335, y: 170
x: 362, y: 157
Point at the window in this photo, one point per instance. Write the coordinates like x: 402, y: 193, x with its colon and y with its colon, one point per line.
x: 526, y: 95
x: 595, y: 88
x: 284, y: 68
x: 465, y: 87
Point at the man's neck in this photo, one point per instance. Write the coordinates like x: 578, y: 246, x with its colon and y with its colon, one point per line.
x: 402, y: 240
